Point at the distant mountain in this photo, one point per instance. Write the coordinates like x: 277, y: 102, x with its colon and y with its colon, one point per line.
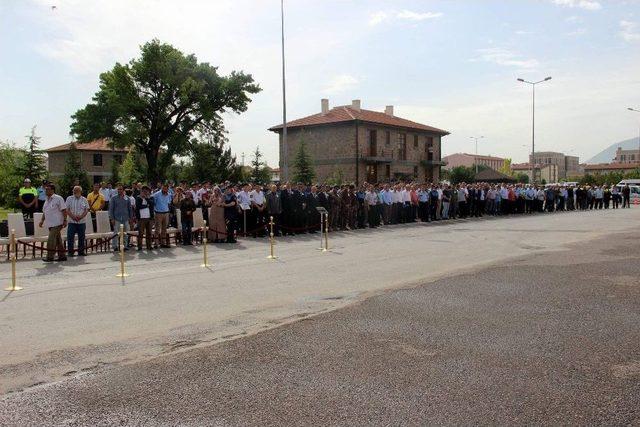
x: 608, y: 154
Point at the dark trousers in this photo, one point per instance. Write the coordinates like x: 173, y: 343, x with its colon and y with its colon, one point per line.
x: 54, y: 243
x: 74, y: 229
x: 187, y: 226
x: 145, y: 229
x: 231, y: 228
x: 423, y: 211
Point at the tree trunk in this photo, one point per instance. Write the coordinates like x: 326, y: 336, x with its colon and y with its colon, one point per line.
x: 152, y: 166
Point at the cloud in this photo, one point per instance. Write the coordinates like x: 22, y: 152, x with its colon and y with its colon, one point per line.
x: 581, y: 4
x: 523, y: 33
x: 577, y: 32
x: 377, y: 17
x: 341, y: 83
x: 629, y: 31
x: 505, y: 57
x: 415, y: 16
x: 573, y: 19
x: 406, y: 15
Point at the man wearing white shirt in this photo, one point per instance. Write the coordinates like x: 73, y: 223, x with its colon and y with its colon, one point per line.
x: 77, y: 209
x: 256, y: 196
x: 105, y: 190
x: 54, y: 217
x: 244, y: 204
x: 397, y: 203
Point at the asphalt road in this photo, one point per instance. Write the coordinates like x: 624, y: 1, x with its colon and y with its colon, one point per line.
x: 547, y: 338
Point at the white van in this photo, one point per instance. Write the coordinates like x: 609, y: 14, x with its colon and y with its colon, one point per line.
x: 634, y: 186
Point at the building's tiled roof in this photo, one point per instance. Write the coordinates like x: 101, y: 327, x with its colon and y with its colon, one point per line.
x: 346, y: 113
x: 479, y: 156
x: 610, y: 166
x: 101, y: 144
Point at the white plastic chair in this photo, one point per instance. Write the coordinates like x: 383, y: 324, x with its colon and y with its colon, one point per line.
x: 104, y: 227
x: 15, y: 222
x: 176, y: 231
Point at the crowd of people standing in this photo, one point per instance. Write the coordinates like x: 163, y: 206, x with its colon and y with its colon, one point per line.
x: 247, y: 209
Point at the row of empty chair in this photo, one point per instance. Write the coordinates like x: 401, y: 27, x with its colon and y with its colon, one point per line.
x: 98, y: 236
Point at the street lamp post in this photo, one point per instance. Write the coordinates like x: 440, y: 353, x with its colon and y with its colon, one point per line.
x: 637, y: 111
x: 533, y: 124
x: 475, y: 160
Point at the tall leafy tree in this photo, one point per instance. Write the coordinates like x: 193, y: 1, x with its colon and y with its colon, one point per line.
x: 211, y: 160
x: 506, y: 167
x: 260, y: 172
x: 34, y: 164
x: 115, y: 172
x: 460, y: 174
x: 131, y: 170
x: 303, y: 165
x: 12, y: 159
x: 73, y: 173
x: 158, y: 101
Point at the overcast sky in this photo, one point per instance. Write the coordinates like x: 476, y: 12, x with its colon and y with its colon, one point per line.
x: 449, y: 64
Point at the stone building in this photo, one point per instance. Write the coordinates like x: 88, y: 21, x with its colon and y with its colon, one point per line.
x: 627, y: 156
x: 358, y: 145
x: 95, y: 157
x: 471, y: 160
x: 604, y: 168
x: 568, y: 166
x: 544, y: 172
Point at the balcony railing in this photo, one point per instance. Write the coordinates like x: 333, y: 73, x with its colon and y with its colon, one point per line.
x: 382, y: 156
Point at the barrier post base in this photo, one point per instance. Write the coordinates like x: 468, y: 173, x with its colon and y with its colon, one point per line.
x: 13, y: 288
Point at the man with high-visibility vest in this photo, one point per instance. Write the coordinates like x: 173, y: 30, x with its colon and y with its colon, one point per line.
x: 28, y: 198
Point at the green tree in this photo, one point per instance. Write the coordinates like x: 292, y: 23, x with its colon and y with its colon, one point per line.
x: 73, y: 174
x: 336, y: 177
x: 131, y: 169
x: 462, y: 174
x: 522, y: 178
x: 158, y: 101
x: 34, y: 164
x: 506, y: 167
x: 211, y: 160
x: 115, y: 172
x: 260, y: 173
x: 12, y: 159
x: 303, y: 165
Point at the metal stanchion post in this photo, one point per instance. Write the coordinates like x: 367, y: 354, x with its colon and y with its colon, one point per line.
x: 13, y: 249
x: 244, y: 214
x: 121, y: 236
x: 271, y: 255
x: 204, y: 243
x: 326, y: 234
x: 322, y: 224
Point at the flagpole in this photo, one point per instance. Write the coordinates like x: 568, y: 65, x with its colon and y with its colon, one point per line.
x: 285, y: 162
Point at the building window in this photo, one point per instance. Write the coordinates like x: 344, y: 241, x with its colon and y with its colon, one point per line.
x: 387, y: 172
x: 428, y: 144
x: 97, y: 159
x: 415, y: 141
x: 387, y: 140
x: 118, y: 158
x: 402, y: 146
x: 415, y: 172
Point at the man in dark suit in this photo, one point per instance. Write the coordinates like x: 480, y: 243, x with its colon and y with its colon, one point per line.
x: 144, y: 217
